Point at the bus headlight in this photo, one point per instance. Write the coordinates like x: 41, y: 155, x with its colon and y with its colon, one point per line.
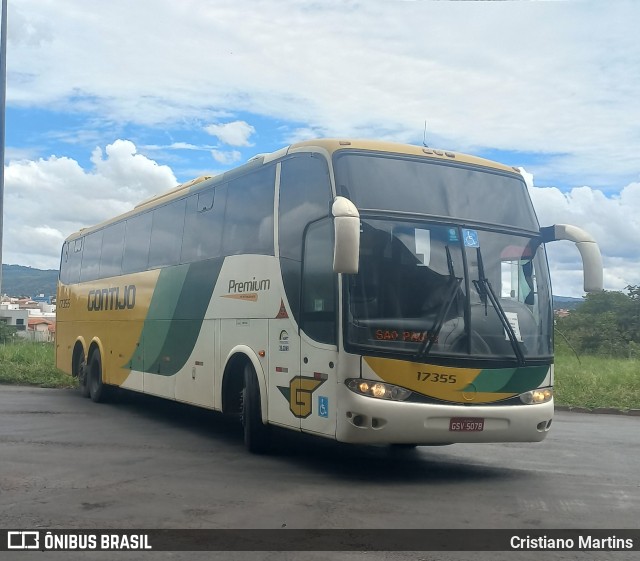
x: 380, y: 390
x: 540, y: 395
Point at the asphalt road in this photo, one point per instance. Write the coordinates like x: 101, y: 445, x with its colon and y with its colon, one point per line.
x: 66, y: 462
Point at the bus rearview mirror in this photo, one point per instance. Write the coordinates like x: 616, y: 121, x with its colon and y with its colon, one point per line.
x: 346, y: 249
x: 589, y: 251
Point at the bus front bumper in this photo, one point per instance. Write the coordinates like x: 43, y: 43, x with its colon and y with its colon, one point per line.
x: 369, y: 420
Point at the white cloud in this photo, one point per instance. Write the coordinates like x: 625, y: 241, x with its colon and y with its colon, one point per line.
x: 236, y: 133
x: 48, y: 199
x: 556, y: 78
x: 184, y: 146
x: 226, y: 158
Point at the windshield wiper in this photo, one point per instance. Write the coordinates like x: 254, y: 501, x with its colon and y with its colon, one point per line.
x: 485, y: 290
x: 431, y: 335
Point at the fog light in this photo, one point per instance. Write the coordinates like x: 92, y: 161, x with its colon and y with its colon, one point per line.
x: 539, y: 395
x: 379, y: 390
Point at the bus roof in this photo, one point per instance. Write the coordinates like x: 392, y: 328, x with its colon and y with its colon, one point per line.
x: 328, y: 145
x: 332, y: 145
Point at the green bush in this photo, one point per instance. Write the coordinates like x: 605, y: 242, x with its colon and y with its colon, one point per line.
x: 7, y: 332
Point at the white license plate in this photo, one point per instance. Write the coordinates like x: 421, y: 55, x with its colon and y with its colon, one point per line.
x: 466, y: 424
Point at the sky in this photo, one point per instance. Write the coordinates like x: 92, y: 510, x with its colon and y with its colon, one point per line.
x: 109, y: 103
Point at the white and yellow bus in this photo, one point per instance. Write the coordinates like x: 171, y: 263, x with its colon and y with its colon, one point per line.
x: 363, y: 291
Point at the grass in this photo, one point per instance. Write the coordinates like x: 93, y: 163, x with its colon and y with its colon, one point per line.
x: 32, y: 364
x: 595, y: 382
x: 591, y: 381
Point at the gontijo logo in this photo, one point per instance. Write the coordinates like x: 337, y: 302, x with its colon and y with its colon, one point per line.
x: 112, y: 298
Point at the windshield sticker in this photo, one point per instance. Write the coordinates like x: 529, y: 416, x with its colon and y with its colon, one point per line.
x: 470, y: 238
x: 453, y: 235
x: 513, y: 321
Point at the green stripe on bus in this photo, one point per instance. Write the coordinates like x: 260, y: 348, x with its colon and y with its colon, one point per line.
x: 509, y: 380
x: 175, y: 317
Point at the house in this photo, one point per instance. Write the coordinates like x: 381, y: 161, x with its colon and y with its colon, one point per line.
x: 41, y: 329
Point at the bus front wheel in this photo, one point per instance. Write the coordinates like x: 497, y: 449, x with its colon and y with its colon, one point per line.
x: 97, y: 389
x: 256, y: 433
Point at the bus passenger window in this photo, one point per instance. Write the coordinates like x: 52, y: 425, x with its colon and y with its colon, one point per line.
x: 71, y: 261
x: 203, y: 225
x: 166, y: 234
x: 112, y: 245
x: 248, y: 221
x: 91, y: 257
x: 136, y: 244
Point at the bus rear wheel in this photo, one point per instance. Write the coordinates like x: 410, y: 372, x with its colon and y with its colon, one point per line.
x: 257, y: 435
x: 97, y: 389
x: 81, y: 372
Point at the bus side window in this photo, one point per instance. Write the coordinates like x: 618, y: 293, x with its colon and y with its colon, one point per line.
x: 112, y: 245
x: 64, y: 264
x: 248, y: 219
x: 203, y: 225
x: 319, y: 284
x: 136, y: 243
x: 71, y: 261
x: 305, y: 195
x: 166, y: 234
x: 91, y: 256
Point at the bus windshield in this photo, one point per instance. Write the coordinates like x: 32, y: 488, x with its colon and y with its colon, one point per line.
x: 456, y: 283
x: 423, y: 289
x: 390, y: 182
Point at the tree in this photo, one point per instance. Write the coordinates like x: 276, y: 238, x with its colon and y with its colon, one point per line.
x: 607, y: 323
x: 7, y: 332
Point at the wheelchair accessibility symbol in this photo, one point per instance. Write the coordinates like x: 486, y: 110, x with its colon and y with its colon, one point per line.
x: 323, y: 406
x: 470, y: 238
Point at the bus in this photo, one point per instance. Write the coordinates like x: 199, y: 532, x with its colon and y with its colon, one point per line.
x: 363, y: 291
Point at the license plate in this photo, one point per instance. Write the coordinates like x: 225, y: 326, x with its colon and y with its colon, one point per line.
x: 466, y: 424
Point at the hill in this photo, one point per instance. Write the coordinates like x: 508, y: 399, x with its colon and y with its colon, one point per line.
x: 566, y: 302
x: 26, y: 281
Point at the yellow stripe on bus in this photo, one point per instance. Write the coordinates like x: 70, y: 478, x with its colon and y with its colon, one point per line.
x: 440, y: 382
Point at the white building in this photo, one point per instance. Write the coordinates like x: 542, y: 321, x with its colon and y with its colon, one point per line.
x: 34, y: 321
x: 12, y: 315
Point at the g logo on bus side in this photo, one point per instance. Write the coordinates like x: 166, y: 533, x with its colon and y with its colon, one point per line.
x: 299, y: 393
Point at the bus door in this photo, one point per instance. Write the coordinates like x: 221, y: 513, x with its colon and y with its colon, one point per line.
x: 317, y: 383
x: 305, y: 237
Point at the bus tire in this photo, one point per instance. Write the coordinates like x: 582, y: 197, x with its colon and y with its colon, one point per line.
x: 81, y: 371
x: 97, y: 389
x: 257, y: 435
